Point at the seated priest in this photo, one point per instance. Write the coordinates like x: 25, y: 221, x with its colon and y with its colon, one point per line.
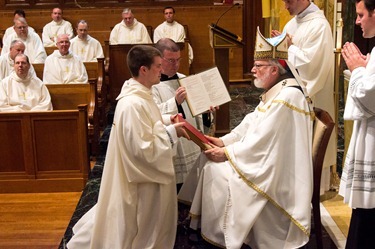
x: 22, y: 90
x: 62, y: 66
x: 7, y: 59
x: 85, y: 46
x: 129, y: 30
x: 255, y: 186
x: 33, y: 44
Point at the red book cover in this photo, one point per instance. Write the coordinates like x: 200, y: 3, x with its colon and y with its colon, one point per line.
x: 195, y: 135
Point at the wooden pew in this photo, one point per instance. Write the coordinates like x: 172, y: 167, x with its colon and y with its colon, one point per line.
x: 118, y: 70
x: 67, y: 96
x: 49, y: 50
x: 44, y: 151
x: 95, y: 72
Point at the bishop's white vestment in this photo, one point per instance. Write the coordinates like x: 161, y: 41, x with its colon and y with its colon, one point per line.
x: 64, y: 69
x: 358, y: 177
x: 174, y: 31
x: 33, y: 47
x: 261, y: 195
x: 137, y: 205
x: 312, y: 55
x: 52, y: 29
x: 88, y: 50
x: 7, y: 66
x: 187, y: 151
x: 29, y: 94
x: 136, y: 34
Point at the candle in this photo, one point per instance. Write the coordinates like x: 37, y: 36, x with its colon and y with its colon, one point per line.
x: 339, y: 34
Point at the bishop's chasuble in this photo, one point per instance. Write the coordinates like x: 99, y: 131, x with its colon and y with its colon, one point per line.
x: 261, y: 196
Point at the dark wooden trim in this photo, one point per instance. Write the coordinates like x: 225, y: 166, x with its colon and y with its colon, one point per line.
x: 252, y: 17
x: 71, y: 4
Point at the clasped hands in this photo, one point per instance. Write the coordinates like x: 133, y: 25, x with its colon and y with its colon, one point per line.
x: 353, y: 56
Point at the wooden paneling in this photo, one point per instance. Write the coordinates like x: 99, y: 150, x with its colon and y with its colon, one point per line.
x: 96, y: 3
x: 196, y: 17
x: 51, y: 152
x: 118, y: 70
x: 69, y: 96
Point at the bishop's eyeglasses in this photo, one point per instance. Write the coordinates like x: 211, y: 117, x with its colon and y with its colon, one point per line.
x: 258, y: 66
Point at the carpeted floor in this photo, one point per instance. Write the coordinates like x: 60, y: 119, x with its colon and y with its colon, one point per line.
x: 244, y: 100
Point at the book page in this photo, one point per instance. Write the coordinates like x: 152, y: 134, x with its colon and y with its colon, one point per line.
x: 205, y: 89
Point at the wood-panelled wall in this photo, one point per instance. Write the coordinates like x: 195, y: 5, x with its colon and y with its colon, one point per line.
x: 197, y: 17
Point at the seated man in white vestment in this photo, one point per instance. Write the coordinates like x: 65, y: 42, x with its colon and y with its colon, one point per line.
x: 255, y: 185
x: 170, y: 28
x: 23, y: 91
x: 33, y: 44
x: 10, y: 30
x: 62, y: 66
x: 170, y: 98
x: 84, y: 46
x: 7, y: 60
x: 56, y: 27
x: 129, y: 31
x: 137, y: 204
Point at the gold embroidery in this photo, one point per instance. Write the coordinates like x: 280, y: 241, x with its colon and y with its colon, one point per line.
x: 23, y: 95
x: 82, y: 50
x: 292, y: 107
x: 265, y: 195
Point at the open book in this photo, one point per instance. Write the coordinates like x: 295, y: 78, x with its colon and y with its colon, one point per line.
x: 195, y: 135
x: 204, y: 90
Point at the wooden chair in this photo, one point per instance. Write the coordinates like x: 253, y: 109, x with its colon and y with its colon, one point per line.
x: 323, y: 126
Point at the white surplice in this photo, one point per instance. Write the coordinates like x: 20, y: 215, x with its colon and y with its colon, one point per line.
x: 29, y: 94
x: 64, y: 69
x: 7, y: 66
x: 358, y: 177
x: 136, y: 34
x: 52, y: 29
x: 137, y: 205
x: 261, y: 196
x: 88, y: 50
x: 187, y: 151
x: 174, y: 31
x: 312, y: 55
x: 33, y: 47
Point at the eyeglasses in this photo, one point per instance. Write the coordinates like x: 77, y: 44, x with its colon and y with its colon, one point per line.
x: 173, y: 61
x: 257, y: 66
x: 21, y: 27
